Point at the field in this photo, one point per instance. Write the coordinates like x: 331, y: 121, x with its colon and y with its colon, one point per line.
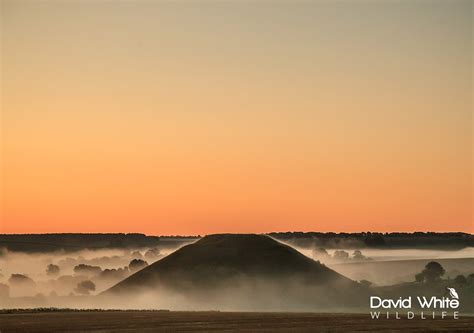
x: 208, y: 275
x: 390, y: 272
x: 163, y: 321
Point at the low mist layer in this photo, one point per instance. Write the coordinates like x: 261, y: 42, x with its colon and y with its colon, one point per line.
x: 226, y: 272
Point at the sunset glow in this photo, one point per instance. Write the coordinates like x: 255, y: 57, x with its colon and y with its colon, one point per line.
x: 197, y: 118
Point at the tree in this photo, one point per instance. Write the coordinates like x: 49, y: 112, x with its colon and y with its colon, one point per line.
x: 136, y: 255
x: 153, y: 254
x: 114, y: 274
x: 21, y: 285
x: 470, y: 278
x: 136, y: 265
x: 52, y: 270
x: 420, y: 277
x: 433, y: 271
x: 320, y: 252
x: 21, y: 279
x: 357, y: 255
x: 341, y: 255
x: 87, y: 270
x: 85, y: 287
x: 460, y: 280
x: 374, y: 240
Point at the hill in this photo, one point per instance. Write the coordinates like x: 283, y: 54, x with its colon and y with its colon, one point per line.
x: 244, y: 269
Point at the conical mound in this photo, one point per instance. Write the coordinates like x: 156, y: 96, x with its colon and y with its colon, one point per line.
x: 246, y: 266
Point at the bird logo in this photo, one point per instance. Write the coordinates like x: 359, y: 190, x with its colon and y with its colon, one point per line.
x: 453, y: 293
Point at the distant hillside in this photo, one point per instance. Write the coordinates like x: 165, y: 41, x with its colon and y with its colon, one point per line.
x: 78, y: 241
x: 251, y: 267
x: 331, y: 240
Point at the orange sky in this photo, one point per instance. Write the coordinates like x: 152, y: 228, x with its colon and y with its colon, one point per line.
x: 167, y: 118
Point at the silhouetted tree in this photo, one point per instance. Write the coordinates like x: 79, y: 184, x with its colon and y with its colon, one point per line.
x: 85, y: 287
x: 136, y: 255
x: 20, y: 279
x: 114, y: 274
x: 22, y: 284
x: 319, y: 253
x: 460, y: 280
x: 136, y: 265
x: 374, y: 240
x: 52, y: 270
x: 470, y: 278
x: 153, y: 254
x: 87, y: 270
x: 357, y: 255
x: 420, y: 277
x: 341, y: 255
x: 433, y: 271
x: 117, y: 243
x: 73, y: 242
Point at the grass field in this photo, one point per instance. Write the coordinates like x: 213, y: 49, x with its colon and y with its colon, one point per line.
x: 156, y: 321
x: 388, y: 272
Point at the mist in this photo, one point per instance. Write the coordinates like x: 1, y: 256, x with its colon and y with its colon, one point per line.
x: 243, y: 294
x: 103, y: 267
x: 392, y: 266
x: 78, y: 280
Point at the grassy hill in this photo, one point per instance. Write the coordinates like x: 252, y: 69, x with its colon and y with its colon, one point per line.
x: 255, y: 268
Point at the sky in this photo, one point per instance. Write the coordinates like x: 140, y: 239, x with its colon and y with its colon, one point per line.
x: 198, y: 117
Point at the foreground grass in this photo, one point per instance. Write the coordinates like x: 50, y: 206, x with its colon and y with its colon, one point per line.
x: 53, y: 309
x: 54, y: 320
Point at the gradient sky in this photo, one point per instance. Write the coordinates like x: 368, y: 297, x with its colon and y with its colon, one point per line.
x: 200, y: 117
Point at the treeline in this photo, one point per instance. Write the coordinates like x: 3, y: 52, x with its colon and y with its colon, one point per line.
x: 70, y: 242
x: 376, y: 240
x: 78, y: 241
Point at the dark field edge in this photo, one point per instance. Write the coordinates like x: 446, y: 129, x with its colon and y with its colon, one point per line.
x: 47, y: 310
x: 53, y: 309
